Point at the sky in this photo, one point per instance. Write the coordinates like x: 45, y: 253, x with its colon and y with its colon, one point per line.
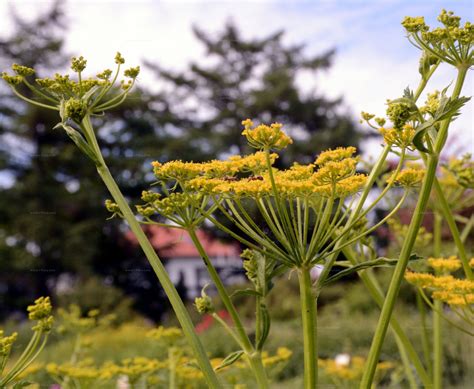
x: 374, y: 60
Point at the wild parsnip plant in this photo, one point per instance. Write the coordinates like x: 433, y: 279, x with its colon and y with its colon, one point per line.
x: 41, y: 314
x: 307, y: 214
x: 289, y: 220
x: 451, y: 44
x: 76, y: 101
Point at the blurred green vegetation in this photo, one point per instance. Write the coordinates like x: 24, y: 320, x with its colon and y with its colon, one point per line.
x: 346, y: 322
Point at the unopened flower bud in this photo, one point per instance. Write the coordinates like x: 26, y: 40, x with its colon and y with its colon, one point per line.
x: 204, y: 303
x: 23, y: 71
x: 78, y: 64
x: 75, y: 109
x: 119, y: 60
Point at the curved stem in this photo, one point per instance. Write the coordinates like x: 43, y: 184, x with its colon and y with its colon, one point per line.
x: 54, y: 108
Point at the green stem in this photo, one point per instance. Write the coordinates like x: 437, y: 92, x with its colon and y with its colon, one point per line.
x: 308, y: 315
x: 163, y: 277
x: 408, y: 244
x: 256, y: 365
x: 376, y: 292
x: 258, y: 318
x: 406, y: 365
x: 222, y: 292
x: 172, y: 367
x: 437, y: 318
x: 424, y: 333
x: 244, y: 340
x: 437, y: 346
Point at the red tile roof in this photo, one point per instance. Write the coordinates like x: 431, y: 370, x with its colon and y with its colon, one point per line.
x: 176, y: 243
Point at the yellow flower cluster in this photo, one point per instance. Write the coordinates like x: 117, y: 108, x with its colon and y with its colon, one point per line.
x: 351, y: 371
x: 335, y: 155
x: 168, y: 206
x: 265, y: 137
x: 463, y: 170
x: 324, y: 185
x: 282, y: 354
x: 83, y: 370
x: 41, y: 312
x: 74, y: 97
x: 6, y: 343
x: 431, y: 104
x: 138, y: 366
x: 334, y: 171
x: 73, y: 321
x: 183, y: 171
x: 409, y: 177
x: 401, y: 138
x: 335, y: 177
x: 451, y: 290
x: 168, y: 334
x: 86, y: 370
x: 444, y: 265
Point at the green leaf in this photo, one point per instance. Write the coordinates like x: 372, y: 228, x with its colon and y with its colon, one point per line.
x: 80, y: 142
x: 265, y: 327
x: 421, y: 130
x: 89, y: 93
x: 408, y: 94
x: 62, y: 110
x: 230, y: 359
x: 246, y: 292
x: 379, y: 262
x: 451, y: 108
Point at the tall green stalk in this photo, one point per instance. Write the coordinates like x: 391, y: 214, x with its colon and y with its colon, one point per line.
x: 308, y: 316
x: 424, y: 333
x: 370, y: 282
x: 409, y: 242
x: 437, y: 317
x: 368, y: 279
x: 160, y: 271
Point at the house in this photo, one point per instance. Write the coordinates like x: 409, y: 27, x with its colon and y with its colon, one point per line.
x: 184, y: 264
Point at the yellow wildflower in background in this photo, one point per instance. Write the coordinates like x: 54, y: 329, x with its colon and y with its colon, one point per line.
x: 445, y: 265
x: 409, y: 177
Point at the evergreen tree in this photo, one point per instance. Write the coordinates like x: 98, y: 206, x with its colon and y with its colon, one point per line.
x: 52, y: 217
x: 201, y: 109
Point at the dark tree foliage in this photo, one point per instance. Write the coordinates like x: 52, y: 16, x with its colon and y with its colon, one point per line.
x: 52, y: 218
x: 202, y: 107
